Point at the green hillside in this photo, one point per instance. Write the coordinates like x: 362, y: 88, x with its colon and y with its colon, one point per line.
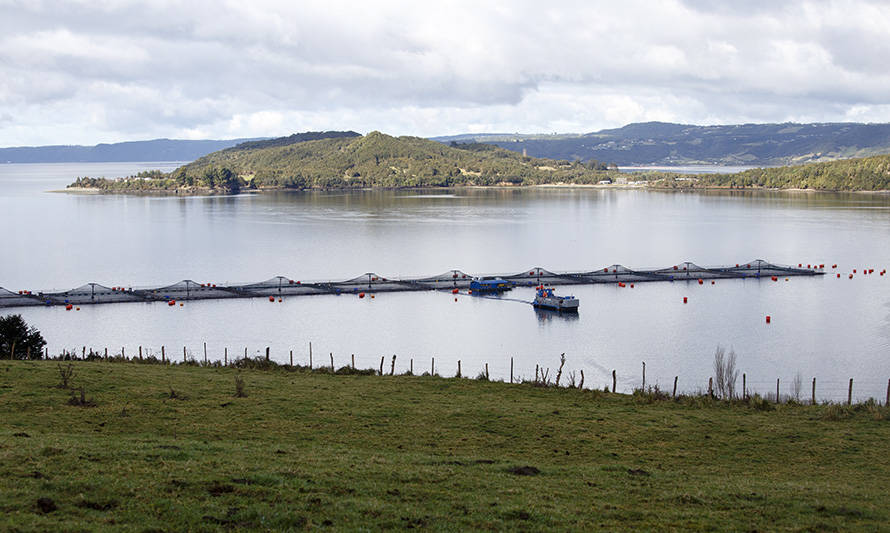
x: 373, y: 160
x: 863, y: 174
x: 154, y: 447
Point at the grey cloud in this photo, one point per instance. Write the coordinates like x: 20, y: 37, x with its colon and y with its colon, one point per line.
x: 160, y: 69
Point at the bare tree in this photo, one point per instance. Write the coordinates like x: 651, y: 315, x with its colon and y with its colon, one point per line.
x: 725, y: 372
x: 796, y: 386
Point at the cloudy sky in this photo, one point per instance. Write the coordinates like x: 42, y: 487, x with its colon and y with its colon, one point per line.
x: 106, y: 71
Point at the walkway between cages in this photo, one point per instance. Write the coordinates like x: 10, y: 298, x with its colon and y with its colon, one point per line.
x: 280, y: 286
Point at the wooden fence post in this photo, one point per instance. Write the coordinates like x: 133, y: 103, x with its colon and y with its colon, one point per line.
x: 267, y: 353
x: 887, y: 402
x: 458, y: 368
x: 777, y: 390
x: 332, y: 361
x: 511, y: 370
x: 814, y: 391
x: 183, y: 354
x: 106, y: 352
x: 744, y: 387
x: 674, y: 394
x: 614, y: 380
x: 381, y: 364
x: 205, y: 353
x: 140, y: 353
x: 392, y: 369
x: 123, y: 353
x: 644, y: 376
x: 163, y: 355
x: 850, y: 393
x: 711, y: 387
x: 291, y: 358
x: 486, y: 370
x: 411, y: 366
x: 226, y: 356
x: 310, y: 355
x: 353, y: 361
x: 433, y: 367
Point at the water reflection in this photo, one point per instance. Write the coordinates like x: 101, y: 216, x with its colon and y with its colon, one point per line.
x: 546, y: 316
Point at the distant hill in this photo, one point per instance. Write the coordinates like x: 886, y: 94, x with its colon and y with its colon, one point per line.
x: 347, y: 160
x: 155, y: 150
x: 660, y: 143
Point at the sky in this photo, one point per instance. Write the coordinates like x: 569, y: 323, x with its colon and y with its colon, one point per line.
x: 108, y: 71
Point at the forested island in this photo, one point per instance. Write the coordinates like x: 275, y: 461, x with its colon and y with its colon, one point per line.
x: 347, y: 160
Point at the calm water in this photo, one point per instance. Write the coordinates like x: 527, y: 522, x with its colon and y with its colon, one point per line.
x: 830, y: 328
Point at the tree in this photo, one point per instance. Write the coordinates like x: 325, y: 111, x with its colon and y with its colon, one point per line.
x: 27, y: 340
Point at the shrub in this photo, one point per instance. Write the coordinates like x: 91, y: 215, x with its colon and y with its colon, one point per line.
x: 18, y: 340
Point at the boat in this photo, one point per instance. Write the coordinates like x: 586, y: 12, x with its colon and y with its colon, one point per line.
x: 490, y: 285
x: 546, y: 299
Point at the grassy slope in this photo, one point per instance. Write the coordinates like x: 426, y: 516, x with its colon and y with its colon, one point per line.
x: 363, y: 452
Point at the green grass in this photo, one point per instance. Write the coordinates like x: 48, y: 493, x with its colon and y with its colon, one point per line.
x: 311, y: 450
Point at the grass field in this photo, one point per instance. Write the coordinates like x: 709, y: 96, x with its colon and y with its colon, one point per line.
x: 171, y: 448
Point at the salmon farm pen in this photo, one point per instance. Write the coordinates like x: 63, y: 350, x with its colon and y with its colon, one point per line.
x: 280, y: 286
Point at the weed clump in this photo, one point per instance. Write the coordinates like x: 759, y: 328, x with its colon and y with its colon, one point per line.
x: 65, y: 375
x: 239, y: 387
x: 80, y: 400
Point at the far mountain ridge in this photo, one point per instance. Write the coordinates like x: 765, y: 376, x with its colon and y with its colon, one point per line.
x: 147, y: 151
x: 669, y: 144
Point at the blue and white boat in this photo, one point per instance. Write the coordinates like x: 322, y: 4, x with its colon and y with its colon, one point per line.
x: 546, y: 299
x: 490, y: 285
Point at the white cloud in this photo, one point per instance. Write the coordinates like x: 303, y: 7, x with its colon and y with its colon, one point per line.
x: 89, y: 72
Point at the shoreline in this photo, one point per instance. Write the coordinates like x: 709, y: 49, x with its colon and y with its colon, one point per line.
x: 653, y: 187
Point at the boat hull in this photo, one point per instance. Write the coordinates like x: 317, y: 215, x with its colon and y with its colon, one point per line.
x: 565, y: 305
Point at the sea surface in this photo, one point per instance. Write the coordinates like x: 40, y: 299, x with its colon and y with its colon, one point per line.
x: 825, y: 327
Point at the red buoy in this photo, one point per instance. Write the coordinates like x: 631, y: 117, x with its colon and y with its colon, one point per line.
x: 701, y: 281
x: 685, y: 300
x: 271, y: 298
x: 454, y: 291
x: 838, y: 275
x: 171, y: 303
x: 851, y: 276
x: 768, y: 319
x: 675, y: 267
x: 361, y: 295
x: 69, y: 307
x: 712, y: 283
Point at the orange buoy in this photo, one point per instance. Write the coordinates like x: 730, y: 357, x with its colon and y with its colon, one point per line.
x: 280, y: 300
x: 361, y: 295
x: 712, y: 283
x: 631, y: 285
x: 774, y: 278
x: 77, y: 309
x: 737, y: 265
x: 454, y: 291
x: 834, y: 265
x: 604, y: 270
x: 180, y: 304
x: 455, y: 299
x: 675, y: 267
x: 851, y: 276
x: 372, y: 296
x: 701, y: 281
x: 620, y: 284
x: 685, y: 300
x: 768, y: 319
x: 171, y: 303
x: 271, y: 298
x: 69, y: 307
